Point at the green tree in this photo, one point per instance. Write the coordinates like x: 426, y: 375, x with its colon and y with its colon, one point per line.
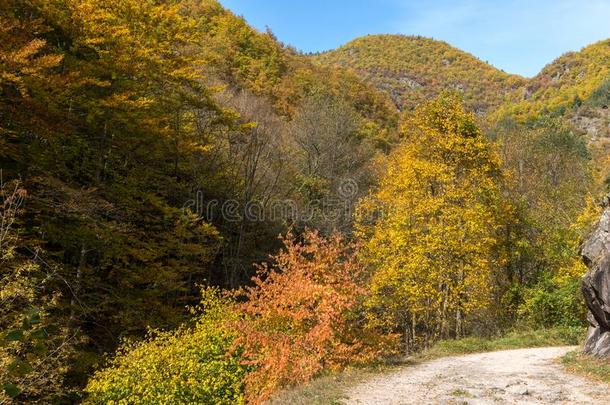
x: 550, y: 182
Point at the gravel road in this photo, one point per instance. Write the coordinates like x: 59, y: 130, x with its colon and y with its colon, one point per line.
x: 525, y: 376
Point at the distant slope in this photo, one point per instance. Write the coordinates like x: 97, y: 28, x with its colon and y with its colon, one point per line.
x: 413, y: 69
x: 241, y: 57
x: 565, y: 83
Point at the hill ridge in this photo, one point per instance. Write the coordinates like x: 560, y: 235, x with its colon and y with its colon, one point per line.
x: 413, y: 68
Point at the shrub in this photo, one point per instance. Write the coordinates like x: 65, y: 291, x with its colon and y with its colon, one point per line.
x: 191, y: 365
x: 301, y: 317
x: 550, y: 303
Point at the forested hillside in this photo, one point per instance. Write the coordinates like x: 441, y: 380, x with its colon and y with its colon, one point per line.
x: 110, y: 128
x: 193, y: 212
x: 414, y: 69
x: 564, y: 83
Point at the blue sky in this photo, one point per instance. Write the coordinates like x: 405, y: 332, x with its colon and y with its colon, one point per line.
x: 519, y: 36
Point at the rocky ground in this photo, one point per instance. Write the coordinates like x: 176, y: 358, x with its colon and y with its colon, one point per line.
x: 525, y: 376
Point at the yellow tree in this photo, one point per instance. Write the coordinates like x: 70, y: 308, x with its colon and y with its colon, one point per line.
x: 430, y: 228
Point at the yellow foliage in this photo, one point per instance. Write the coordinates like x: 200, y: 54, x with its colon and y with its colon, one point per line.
x: 415, y: 69
x: 187, y: 366
x: 573, y: 76
x: 430, y: 229
x: 22, y: 59
x: 574, y: 268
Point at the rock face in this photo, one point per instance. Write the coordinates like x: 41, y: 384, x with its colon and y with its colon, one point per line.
x: 596, y: 287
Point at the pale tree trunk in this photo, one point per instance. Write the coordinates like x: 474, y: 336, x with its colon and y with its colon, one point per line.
x: 76, y: 287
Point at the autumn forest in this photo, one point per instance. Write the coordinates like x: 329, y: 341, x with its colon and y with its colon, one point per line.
x: 194, y: 212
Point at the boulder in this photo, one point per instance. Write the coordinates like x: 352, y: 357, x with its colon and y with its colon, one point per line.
x: 596, y: 287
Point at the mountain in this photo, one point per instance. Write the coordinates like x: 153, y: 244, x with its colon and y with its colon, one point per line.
x: 576, y: 86
x: 412, y: 69
x: 567, y: 82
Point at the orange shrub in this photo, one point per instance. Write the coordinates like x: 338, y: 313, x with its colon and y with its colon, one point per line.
x: 301, y: 316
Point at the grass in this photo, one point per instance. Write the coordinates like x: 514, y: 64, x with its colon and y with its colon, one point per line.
x: 587, y: 366
x: 461, y: 393
x: 559, y: 336
x: 332, y: 388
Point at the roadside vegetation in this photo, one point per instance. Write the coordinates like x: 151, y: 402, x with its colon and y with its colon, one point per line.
x: 587, y: 366
x: 516, y: 339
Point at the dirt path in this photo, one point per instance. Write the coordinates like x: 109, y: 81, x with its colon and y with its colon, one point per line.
x: 525, y: 376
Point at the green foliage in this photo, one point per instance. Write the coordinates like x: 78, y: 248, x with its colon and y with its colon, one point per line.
x: 587, y: 366
x: 549, y: 181
x: 601, y: 96
x: 547, y: 304
x: 190, y: 365
x: 11, y: 390
x: 516, y: 339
